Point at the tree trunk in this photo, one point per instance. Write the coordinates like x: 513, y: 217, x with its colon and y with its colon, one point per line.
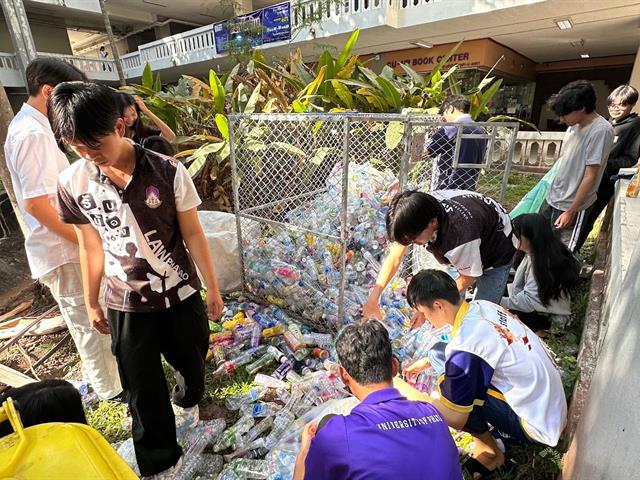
x: 6, y: 115
x: 112, y: 42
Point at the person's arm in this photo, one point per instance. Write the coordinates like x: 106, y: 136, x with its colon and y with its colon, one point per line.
x: 165, y: 130
x: 46, y: 214
x: 588, y: 180
x: 308, y: 433
x: 389, y: 267
x: 631, y: 151
x: 92, y: 266
x: 196, y: 243
x: 463, y: 282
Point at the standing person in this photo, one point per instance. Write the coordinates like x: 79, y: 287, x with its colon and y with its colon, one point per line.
x: 135, y: 216
x: 545, y: 278
x: 455, y: 109
x: 104, y: 55
x: 497, y: 371
x: 386, y: 436
x: 131, y: 109
x: 625, y: 151
x: 35, y: 161
x: 463, y: 229
x: 585, y: 148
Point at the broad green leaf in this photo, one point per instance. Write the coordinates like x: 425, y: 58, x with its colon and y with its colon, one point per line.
x: 196, y: 165
x: 270, y: 105
x: 227, y: 79
x: 287, y: 147
x: 312, y: 88
x: 157, y: 85
x: 347, y: 71
x: 319, y: 155
x: 185, y: 153
x: 393, y: 134
x: 147, y: 77
x: 301, y: 70
x: 223, y: 126
x: 343, y: 93
x: 484, y: 82
x: 485, y: 98
x: 371, y: 76
x: 355, y: 83
x: 387, y: 73
x: 445, y: 58
x: 255, y: 95
x: 390, y: 93
x: 217, y: 90
x: 348, y: 47
x: 415, y: 76
x: 298, y: 107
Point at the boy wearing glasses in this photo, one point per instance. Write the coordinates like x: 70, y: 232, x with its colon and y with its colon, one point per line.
x: 625, y: 150
x: 585, y: 149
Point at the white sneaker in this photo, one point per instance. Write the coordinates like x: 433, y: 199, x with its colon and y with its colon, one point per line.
x: 168, y: 474
x: 186, y: 417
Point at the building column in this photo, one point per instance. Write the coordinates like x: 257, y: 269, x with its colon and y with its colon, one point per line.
x: 634, y: 81
x: 20, y: 31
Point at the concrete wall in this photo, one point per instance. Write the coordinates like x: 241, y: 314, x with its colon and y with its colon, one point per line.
x: 605, y: 445
x: 48, y: 38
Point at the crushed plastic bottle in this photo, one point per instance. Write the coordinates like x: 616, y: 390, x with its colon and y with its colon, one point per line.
x: 234, y: 402
x: 232, y: 435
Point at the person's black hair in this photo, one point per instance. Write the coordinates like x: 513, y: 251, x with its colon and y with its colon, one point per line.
x: 555, y: 268
x: 102, y: 48
x: 409, y: 214
x: 139, y: 129
x: 51, y: 71
x: 158, y: 144
x: 43, y: 402
x: 364, y: 351
x: 459, y: 102
x: 572, y: 97
x: 628, y: 95
x: 430, y: 285
x: 82, y: 112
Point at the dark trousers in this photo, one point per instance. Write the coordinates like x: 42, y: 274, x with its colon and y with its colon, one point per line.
x: 605, y: 191
x: 534, y: 320
x: 506, y: 424
x: 181, y: 335
x: 570, y: 236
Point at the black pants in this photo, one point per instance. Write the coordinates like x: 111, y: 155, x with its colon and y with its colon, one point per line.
x: 534, y: 320
x: 605, y: 191
x: 181, y: 334
x: 569, y: 236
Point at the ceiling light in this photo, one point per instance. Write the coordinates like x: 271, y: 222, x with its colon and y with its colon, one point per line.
x: 584, y: 55
x: 564, y: 24
x: 422, y: 44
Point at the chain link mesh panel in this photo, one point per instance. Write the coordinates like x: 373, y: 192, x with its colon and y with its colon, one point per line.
x: 311, y: 195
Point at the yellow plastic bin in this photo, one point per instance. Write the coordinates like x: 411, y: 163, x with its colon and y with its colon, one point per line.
x: 57, y: 451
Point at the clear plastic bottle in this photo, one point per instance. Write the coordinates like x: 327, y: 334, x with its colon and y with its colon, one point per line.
x: 257, y: 469
x: 232, y: 435
x: 264, y: 425
x: 260, y: 409
x: 280, y: 426
x: 234, y: 402
x: 269, y: 381
x: 260, y: 363
x: 322, y: 340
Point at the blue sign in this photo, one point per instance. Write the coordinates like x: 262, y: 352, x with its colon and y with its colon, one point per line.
x: 276, y: 23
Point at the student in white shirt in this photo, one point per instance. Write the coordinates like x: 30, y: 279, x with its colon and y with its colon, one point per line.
x: 34, y: 161
x: 497, y: 371
x: 541, y: 289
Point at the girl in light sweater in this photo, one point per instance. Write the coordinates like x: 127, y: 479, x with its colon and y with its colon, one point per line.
x: 541, y: 290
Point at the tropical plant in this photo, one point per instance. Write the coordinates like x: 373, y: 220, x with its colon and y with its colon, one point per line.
x: 198, y: 110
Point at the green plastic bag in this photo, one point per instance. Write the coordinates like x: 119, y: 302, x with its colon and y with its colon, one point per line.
x: 532, y: 201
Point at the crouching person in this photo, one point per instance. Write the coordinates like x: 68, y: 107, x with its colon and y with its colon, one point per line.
x: 135, y: 216
x: 497, y: 371
x: 386, y: 436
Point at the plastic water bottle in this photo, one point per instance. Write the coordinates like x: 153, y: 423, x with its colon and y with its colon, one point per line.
x: 322, y: 340
x: 256, y: 335
x: 258, y: 469
x: 232, y: 434
x: 264, y: 425
x: 194, y: 444
x: 234, y: 402
x: 269, y: 381
x: 280, y: 426
x: 257, y: 410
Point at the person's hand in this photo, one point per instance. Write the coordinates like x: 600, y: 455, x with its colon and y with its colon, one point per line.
x: 390, y: 193
x: 309, y: 432
x: 215, y: 305
x: 411, y: 372
x: 565, y: 219
x: 417, y: 320
x: 98, y: 320
x: 371, y: 309
x: 141, y: 104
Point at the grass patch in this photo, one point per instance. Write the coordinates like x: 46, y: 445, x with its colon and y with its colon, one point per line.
x: 107, y: 417
x: 518, y: 185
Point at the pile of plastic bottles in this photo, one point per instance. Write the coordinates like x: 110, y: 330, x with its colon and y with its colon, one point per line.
x: 301, y: 269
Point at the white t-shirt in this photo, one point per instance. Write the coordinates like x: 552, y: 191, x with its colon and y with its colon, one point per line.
x: 35, y: 161
x: 492, y: 353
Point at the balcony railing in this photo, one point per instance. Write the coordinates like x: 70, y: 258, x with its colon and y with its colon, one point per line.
x: 95, y: 68
x: 184, y: 47
x: 536, y: 151
x: 10, y: 74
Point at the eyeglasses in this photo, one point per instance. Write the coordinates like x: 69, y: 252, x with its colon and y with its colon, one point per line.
x: 617, y: 106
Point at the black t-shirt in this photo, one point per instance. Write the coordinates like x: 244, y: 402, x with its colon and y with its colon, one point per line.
x: 147, y: 266
x: 474, y: 233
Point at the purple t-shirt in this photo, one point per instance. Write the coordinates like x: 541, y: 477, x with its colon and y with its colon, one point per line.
x: 384, y: 437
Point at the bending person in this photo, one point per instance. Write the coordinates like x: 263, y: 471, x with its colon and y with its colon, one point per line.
x: 385, y: 436
x: 497, y: 371
x: 464, y: 229
x: 544, y: 280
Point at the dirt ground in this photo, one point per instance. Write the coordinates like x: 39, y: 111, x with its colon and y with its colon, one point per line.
x: 16, y: 286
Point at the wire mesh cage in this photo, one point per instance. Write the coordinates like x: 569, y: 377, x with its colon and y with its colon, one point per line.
x: 311, y: 194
